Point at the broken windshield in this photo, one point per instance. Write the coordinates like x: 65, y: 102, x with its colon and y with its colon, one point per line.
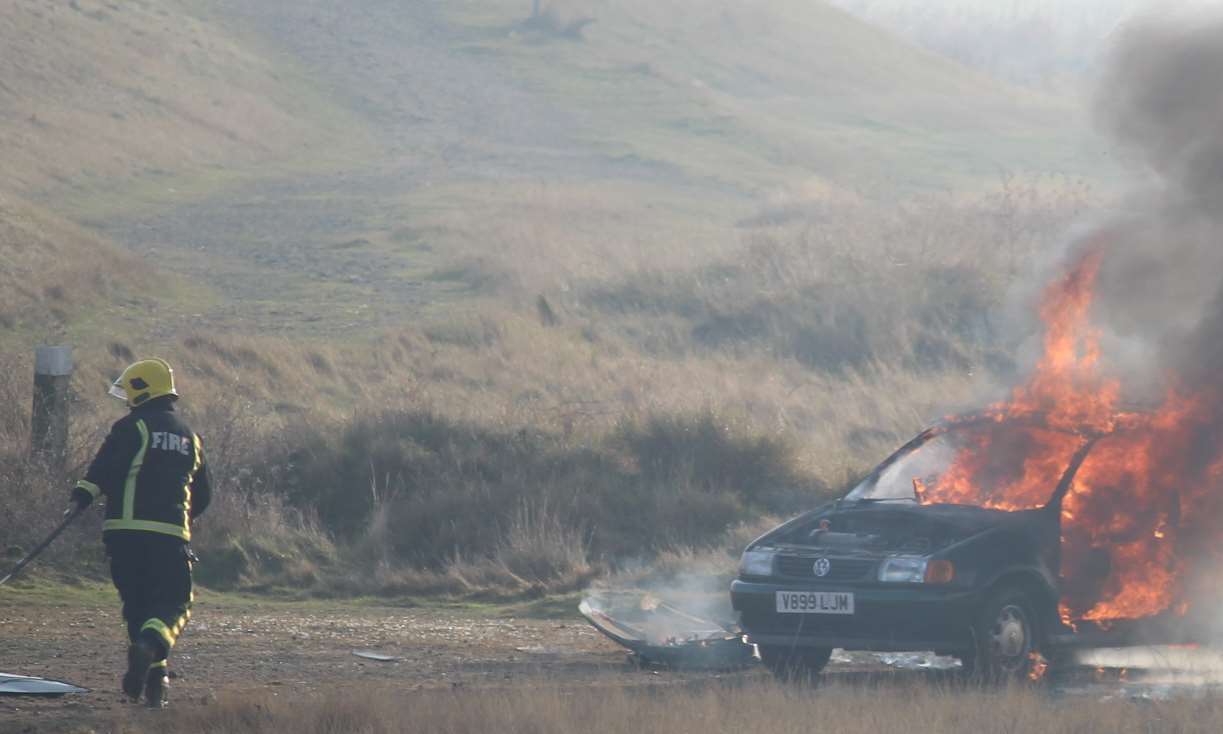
x: 998, y: 465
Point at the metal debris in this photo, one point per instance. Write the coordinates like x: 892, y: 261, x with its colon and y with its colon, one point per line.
x: 25, y: 685
x: 660, y: 635
x: 918, y: 661
x: 378, y: 656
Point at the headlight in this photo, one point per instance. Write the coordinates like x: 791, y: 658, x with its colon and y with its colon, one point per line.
x: 911, y: 570
x: 903, y: 571
x: 756, y: 563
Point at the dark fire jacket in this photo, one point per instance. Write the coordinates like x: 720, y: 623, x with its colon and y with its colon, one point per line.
x: 151, y: 470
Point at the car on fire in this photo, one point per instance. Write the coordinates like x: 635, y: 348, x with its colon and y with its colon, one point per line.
x: 886, y: 569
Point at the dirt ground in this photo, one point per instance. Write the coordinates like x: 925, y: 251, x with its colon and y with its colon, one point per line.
x: 236, y: 645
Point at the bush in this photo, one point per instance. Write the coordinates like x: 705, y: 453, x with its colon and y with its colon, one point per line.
x: 710, y: 451
x: 252, y: 539
x: 413, y: 487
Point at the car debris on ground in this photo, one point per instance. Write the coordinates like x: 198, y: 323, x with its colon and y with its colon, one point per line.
x: 26, y: 685
x: 658, y: 634
x: 375, y: 656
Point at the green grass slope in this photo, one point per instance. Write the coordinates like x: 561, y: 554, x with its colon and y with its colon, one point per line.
x: 753, y: 94
x: 639, y: 142
x: 338, y: 169
x: 95, y: 94
x: 714, y: 93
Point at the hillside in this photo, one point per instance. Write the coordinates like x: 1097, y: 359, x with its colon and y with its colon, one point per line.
x: 59, y: 281
x: 95, y: 94
x: 464, y: 264
x: 731, y: 94
x: 638, y: 142
x: 752, y: 94
x: 331, y: 172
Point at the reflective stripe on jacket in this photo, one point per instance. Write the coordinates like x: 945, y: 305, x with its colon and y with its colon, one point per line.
x: 152, y: 473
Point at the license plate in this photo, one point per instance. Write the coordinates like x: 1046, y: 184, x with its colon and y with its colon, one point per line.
x: 815, y: 602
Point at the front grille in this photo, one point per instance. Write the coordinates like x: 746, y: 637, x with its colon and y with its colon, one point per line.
x: 839, y: 569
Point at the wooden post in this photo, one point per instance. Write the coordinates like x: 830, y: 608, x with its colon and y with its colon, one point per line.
x: 49, y: 422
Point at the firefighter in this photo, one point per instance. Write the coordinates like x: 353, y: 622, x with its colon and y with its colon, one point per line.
x: 151, y: 471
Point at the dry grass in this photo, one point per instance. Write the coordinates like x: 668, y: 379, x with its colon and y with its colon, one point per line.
x: 487, y: 447
x: 752, y: 707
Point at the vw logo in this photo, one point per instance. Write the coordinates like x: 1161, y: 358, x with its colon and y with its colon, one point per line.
x: 822, y: 567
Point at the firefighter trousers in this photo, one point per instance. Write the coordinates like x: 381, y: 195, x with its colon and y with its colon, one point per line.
x: 153, y: 575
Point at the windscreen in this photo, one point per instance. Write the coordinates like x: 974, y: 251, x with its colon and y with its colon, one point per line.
x: 1005, y: 466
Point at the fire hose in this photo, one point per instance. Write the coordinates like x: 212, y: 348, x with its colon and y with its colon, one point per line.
x: 71, y: 514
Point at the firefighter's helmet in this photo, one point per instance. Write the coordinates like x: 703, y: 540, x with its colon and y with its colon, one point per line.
x: 144, y: 380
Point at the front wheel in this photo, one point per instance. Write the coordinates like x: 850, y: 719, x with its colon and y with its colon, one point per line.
x: 1007, y: 638
x: 795, y: 663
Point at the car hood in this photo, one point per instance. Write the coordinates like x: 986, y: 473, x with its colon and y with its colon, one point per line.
x: 866, y: 528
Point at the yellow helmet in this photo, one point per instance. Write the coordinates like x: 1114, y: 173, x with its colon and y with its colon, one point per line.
x: 144, y: 380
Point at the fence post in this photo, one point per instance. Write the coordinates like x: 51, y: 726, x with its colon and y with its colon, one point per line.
x: 49, y: 421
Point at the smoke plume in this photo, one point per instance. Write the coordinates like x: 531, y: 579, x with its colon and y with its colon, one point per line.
x: 1160, y: 292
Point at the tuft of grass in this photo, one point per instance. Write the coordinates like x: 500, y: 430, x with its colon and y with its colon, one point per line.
x: 544, y: 548
x: 254, y: 541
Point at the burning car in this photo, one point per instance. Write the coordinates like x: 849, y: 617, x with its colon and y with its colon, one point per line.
x: 1054, y: 519
x: 907, y: 562
x: 880, y: 570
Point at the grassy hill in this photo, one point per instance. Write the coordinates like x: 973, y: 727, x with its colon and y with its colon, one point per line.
x: 356, y: 166
x: 62, y: 282
x: 326, y: 166
x: 752, y: 94
x: 341, y: 173
x: 460, y: 263
x: 721, y: 93
x: 98, y: 94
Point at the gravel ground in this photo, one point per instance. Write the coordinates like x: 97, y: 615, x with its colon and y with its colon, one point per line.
x: 298, y: 651
x: 280, y: 649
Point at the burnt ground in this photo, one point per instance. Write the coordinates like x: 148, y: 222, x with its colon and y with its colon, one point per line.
x: 237, y: 645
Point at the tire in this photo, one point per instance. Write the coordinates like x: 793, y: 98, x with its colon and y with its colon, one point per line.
x: 1007, y: 638
x: 792, y: 664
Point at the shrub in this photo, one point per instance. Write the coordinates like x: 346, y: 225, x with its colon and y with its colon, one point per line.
x: 413, y: 487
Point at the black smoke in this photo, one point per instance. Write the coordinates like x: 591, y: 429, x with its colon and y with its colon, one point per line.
x: 1160, y: 293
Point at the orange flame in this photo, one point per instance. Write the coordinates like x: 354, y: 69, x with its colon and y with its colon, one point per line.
x: 1144, y: 491
x: 1039, y: 667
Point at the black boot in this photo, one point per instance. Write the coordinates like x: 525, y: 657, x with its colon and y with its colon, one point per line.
x: 156, y: 688
x: 139, y: 657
